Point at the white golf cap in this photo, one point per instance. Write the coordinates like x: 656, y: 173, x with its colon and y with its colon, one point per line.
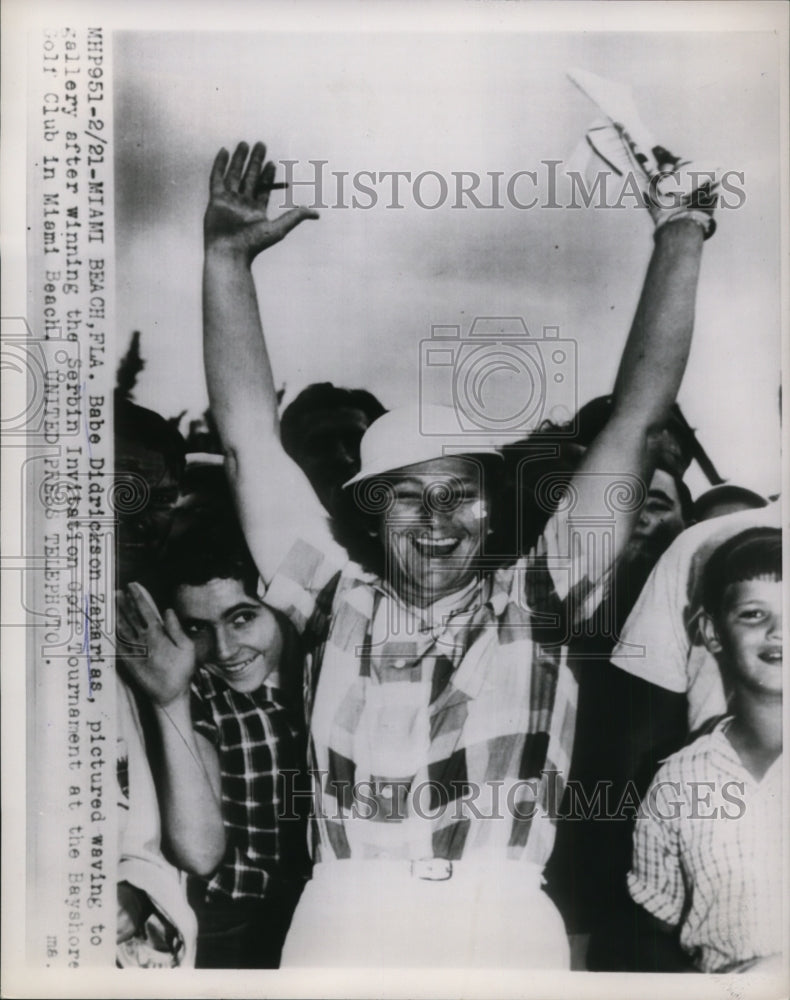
x: 397, y: 440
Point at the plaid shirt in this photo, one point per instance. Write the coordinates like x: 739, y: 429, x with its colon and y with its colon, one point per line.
x: 717, y: 875
x: 446, y: 732
x: 257, y: 740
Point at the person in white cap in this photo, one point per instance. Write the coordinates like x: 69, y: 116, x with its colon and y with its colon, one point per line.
x: 440, y: 704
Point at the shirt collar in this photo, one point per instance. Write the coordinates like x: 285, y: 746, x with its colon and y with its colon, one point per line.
x: 211, y: 687
x: 442, y: 611
x: 727, y: 750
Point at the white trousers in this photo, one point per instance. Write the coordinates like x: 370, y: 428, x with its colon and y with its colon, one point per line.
x: 404, y: 914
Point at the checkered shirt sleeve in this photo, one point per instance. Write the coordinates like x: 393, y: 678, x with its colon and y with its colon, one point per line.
x: 256, y: 741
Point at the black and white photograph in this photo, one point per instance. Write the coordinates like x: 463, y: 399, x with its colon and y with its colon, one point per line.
x: 392, y: 499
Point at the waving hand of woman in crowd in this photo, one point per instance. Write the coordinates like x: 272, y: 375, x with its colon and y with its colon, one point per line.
x: 189, y: 781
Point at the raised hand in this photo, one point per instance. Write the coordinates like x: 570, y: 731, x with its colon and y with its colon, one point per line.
x: 236, y: 218
x: 164, y: 667
x: 671, y: 188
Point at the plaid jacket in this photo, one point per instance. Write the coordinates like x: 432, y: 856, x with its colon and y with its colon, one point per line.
x: 444, y: 734
x: 259, y: 748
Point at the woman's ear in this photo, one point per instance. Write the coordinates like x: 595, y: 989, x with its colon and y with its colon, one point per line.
x: 709, y: 634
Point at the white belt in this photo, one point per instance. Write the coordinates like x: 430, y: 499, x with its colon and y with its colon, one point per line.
x: 427, y: 869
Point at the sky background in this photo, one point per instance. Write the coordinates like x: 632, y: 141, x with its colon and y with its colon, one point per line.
x: 350, y: 298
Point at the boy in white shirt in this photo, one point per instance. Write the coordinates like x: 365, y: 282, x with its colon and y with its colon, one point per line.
x: 708, y: 840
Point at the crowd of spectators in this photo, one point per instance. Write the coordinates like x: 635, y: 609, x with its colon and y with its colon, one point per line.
x: 285, y: 570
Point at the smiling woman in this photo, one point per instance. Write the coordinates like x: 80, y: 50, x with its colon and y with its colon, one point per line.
x: 414, y: 513
x: 435, y: 529
x: 441, y: 669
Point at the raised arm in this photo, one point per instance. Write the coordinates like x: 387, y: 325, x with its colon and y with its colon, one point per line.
x: 236, y: 230
x: 655, y: 354
x: 188, y: 784
x: 651, y: 370
x: 272, y: 494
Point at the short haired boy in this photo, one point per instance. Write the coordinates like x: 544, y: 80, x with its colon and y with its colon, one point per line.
x: 708, y: 840
x: 228, y: 649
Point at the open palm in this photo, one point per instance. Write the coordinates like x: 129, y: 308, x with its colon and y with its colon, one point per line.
x: 236, y: 217
x: 165, y: 670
